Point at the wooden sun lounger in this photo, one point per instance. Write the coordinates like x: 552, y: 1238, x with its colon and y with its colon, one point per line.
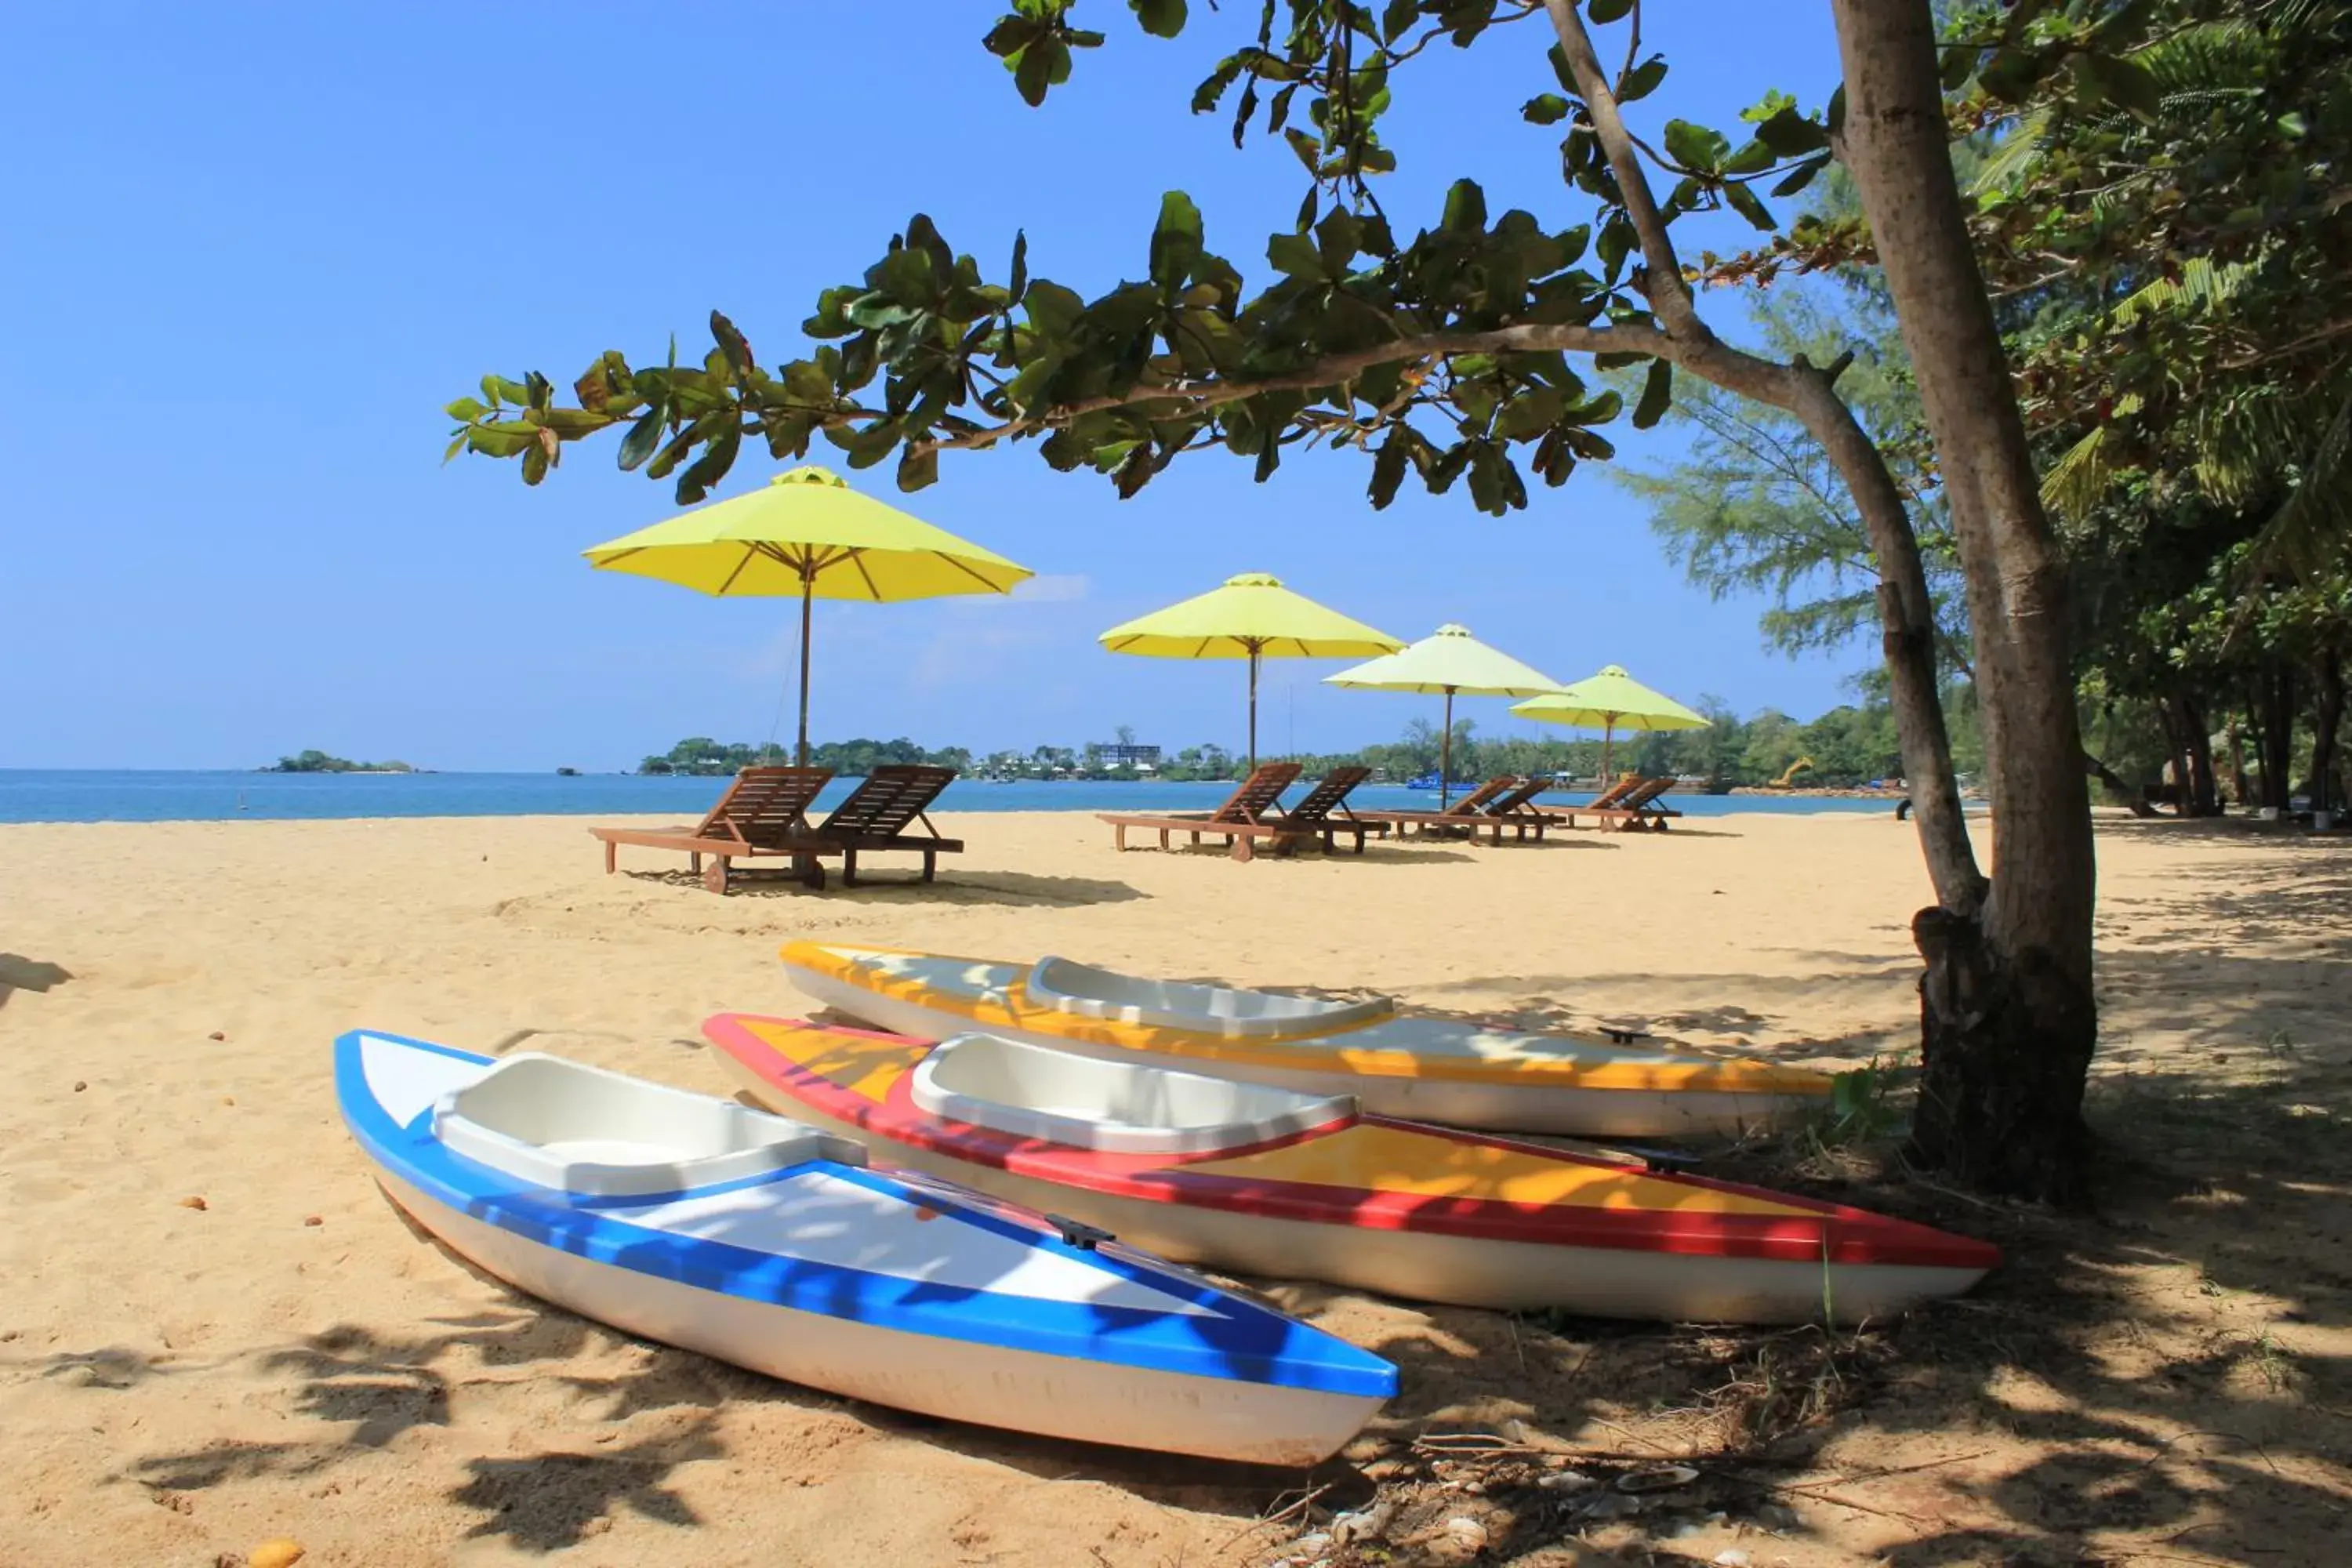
x: 1632, y: 806
x: 1241, y: 821
x: 1498, y: 804
x: 1325, y: 810
x: 880, y: 815
x: 760, y: 810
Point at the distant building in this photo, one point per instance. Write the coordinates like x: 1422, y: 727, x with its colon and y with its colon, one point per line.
x: 1114, y: 756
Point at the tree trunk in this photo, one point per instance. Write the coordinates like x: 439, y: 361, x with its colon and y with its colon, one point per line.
x: 1906, y: 615
x: 2274, y: 721
x: 2204, y: 788
x: 2175, y: 754
x: 2326, y: 716
x: 2007, y: 1016
x: 2241, y: 792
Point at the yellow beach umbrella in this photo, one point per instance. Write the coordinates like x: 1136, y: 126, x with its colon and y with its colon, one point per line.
x: 1610, y: 702
x: 1449, y: 660
x: 1253, y: 617
x: 807, y: 534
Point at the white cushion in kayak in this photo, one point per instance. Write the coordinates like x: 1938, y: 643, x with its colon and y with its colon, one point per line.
x: 1121, y: 1108
x: 1086, y: 992
x: 557, y: 1123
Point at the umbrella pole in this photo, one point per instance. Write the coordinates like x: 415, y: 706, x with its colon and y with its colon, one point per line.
x: 808, y: 583
x: 1253, y: 724
x: 1608, y: 735
x: 1445, y: 751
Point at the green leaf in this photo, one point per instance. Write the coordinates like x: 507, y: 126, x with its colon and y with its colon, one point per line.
x: 1052, y: 309
x: 643, y: 437
x: 456, y: 445
x: 499, y: 389
x: 703, y: 476
x: 731, y: 343
x: 1657, y: 392
x: 1399, y: 17
x: 1643, y: 80
x: 1337, y: 241
x: 1743, y: 202
x: 1213, y: 86
x: 1032, y: 69
x: 1601, y: 13
x: 1011, y: 35
x: 1161, y: 18
x: 1600, y: 410
x: 1176, y: 241
x: 1615, y: 243
x: 1466, y: 208
x: 1296, y: 254
x: 1018, y: 283
x: 1800, y: 176
x: 919, y: 467
x: 1388, y: 469
x: 1695, y: 147
x: 1544, y: 109
x: 1790, y: 134
x: 2008, y: 76
x: 535, y: 463
x: 466, y: 409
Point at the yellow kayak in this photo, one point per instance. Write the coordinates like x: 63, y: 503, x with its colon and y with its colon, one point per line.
x: 1448, y: 1071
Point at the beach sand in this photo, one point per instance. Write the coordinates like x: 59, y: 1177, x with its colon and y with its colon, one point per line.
x: 289, y: 1358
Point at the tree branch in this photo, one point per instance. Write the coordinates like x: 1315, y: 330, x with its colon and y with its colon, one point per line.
x: 1337, y: 369
x: 1670, y: 295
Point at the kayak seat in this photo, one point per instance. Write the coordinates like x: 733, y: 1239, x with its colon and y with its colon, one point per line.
x: 1123, y: 1108
x: 1083, y: 991
x: 560, y: 1124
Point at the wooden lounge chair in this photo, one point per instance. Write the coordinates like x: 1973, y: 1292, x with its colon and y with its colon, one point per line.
x: 878, y: 814
x: 1325, y: 810
x: 1499, y: 804
x: 1630, y: 807
x: 758, y: 812
x: 1249, y: 814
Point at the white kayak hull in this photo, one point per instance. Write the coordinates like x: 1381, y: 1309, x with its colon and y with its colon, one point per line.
x: 919, y: 1295
x: 1492, y: 1104
x: 1054, y: 1396
x: 1460, y: 1271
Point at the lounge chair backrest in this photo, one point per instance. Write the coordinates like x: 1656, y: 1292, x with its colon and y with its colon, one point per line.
x: 1644, y: 793
x: 1329, y: 795
x: 1516, y: 796
x: 887, y: 801
x: 1614, y: 795
x: 1259, y: 793
x: 1474, y: 804
x: 764, y: 804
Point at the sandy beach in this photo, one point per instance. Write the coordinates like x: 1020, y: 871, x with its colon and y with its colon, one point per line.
x: 215, y: 1330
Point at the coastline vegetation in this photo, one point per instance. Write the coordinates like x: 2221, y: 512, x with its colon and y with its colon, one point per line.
x: 316, y: 761
x: 1848, y: 747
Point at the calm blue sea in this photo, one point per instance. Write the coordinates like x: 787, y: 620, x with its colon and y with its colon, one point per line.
x: 71, y: 796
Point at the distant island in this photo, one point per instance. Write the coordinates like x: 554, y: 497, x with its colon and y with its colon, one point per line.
x: 320, y: 763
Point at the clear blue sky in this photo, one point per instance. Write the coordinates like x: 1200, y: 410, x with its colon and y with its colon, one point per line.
x: 254, y: 248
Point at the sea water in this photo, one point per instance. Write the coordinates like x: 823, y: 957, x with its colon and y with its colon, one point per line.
x: 77, y: 795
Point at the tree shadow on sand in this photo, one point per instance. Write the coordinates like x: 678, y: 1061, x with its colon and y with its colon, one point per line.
x: 18, y: 973
x: 1017, y: 889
